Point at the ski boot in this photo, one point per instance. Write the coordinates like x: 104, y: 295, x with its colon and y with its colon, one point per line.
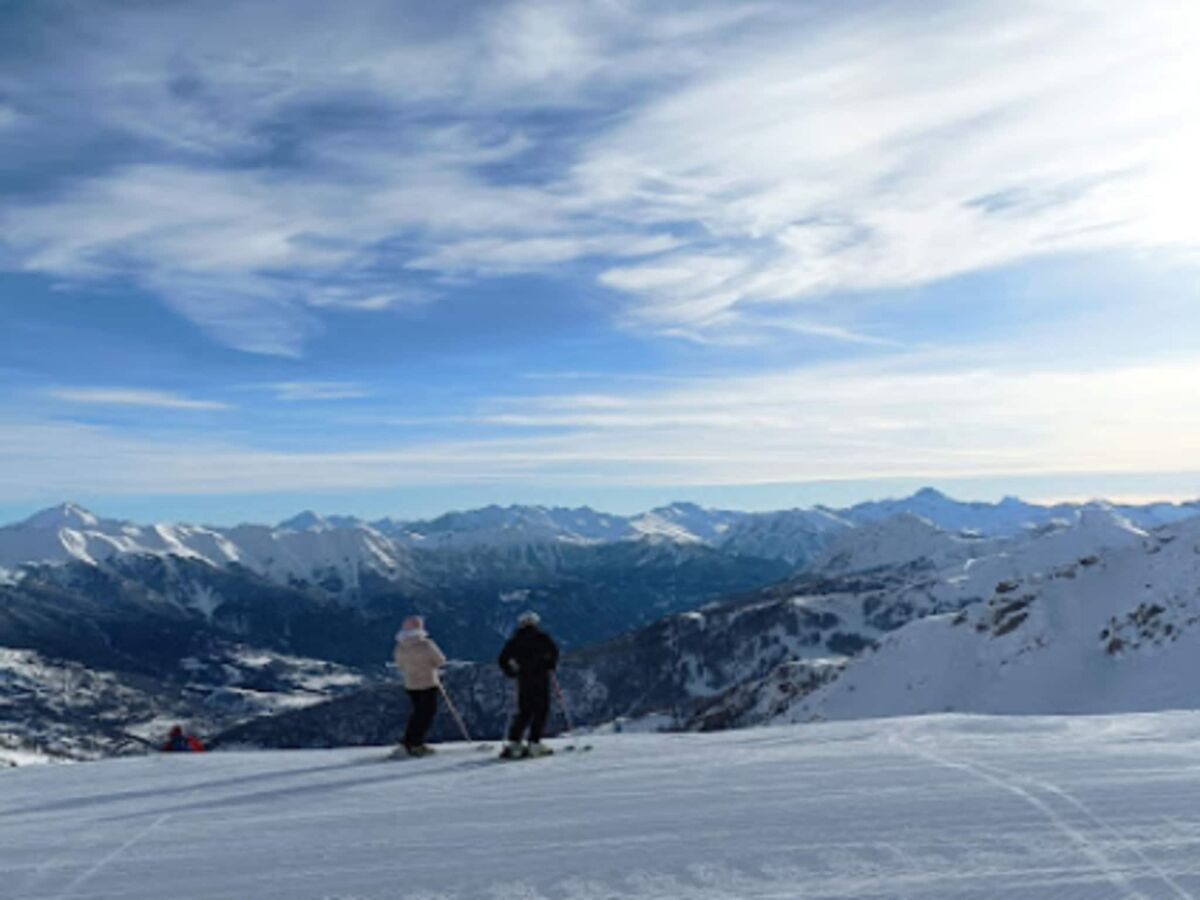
x: 537, y: 748
x: 513, y: 750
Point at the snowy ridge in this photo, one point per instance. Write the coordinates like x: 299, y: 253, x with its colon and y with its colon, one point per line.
x: 308, y: 545
x: 687, y: 522
x: 65, y: 515
x: 70, y: 534
x: 794, y: 535
x: 497, y: 526
x: 1009, y: 517
x: 903, y: 539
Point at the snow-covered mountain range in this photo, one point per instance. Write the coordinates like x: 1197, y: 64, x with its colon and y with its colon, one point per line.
x: 775, y: 653
x: 469, y: 573
x: 310, y: 547
x: 682, y: 616
x: 69, y: 533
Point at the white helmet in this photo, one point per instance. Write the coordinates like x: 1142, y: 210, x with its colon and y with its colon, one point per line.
x: 529, y: 618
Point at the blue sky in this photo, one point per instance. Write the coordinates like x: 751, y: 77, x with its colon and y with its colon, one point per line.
x: 392, y: 258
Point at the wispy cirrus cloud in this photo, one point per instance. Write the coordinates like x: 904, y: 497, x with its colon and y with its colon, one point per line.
x: 499, y: 256
x: 297, y: 391
x: 702, y: 161
x: 907, y: 417
x: 914, y: 418
x: 89, y: 396
x: 890, y: 150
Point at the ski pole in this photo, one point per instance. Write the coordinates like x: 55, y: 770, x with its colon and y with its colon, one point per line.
x: 462, y: 726
x: 562, y: 701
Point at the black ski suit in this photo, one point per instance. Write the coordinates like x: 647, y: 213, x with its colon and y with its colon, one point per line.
x: 530, y: 656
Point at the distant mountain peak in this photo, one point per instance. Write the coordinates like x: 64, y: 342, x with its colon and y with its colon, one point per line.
x: 930, y: 493
x: 64, y: 515
x: 681, y: 506
x: 305, y: 521
x: 1104, y: 515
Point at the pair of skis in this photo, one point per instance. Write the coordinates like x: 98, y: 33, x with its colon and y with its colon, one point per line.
x: 566, y: 748
x: 573, y: 747
x: 400, y: 753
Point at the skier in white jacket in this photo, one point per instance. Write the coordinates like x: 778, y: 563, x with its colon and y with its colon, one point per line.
x: 419, y: 659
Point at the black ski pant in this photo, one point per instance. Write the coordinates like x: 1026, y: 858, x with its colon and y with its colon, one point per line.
x: 533, y: 707
x: 424, y: 708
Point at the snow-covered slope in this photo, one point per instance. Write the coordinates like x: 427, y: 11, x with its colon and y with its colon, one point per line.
x: 686, y: 522
x: 888, y: 574
x: 906, y: 541
x: 794, y: 535
x: 312, y: 555
x: 943, y: 808
x: 1084, y: 631
x: 901, y: 540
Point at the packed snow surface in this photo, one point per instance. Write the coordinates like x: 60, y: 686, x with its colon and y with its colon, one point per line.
x: 940, y: 807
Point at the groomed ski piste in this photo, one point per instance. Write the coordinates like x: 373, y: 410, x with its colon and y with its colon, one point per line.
x: 932, y: 807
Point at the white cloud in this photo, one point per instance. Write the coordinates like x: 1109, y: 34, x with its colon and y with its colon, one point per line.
x: 775, y: 153
x: 292, y: 391
x: 907, y: 419
x: 686, y: 289
x: 500, y: 255
x: 132, y: 397
x: 359, y: 300
x: 910, y: 145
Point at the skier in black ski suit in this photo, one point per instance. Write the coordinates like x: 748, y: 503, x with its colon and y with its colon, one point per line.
x: 530, y: 656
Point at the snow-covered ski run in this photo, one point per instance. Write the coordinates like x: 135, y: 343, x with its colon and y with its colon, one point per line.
x: 938, y: 807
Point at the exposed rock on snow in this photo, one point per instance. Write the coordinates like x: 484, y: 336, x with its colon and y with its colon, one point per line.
x: 1114, y: 630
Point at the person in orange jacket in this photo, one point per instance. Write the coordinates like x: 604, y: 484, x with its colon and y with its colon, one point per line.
x: 178, y: 742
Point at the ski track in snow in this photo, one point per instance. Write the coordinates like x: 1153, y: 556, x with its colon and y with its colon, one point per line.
x: 1104, y: 824
x: 946, y: 807
x: 1006, y: 781
x: 95, y: 869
